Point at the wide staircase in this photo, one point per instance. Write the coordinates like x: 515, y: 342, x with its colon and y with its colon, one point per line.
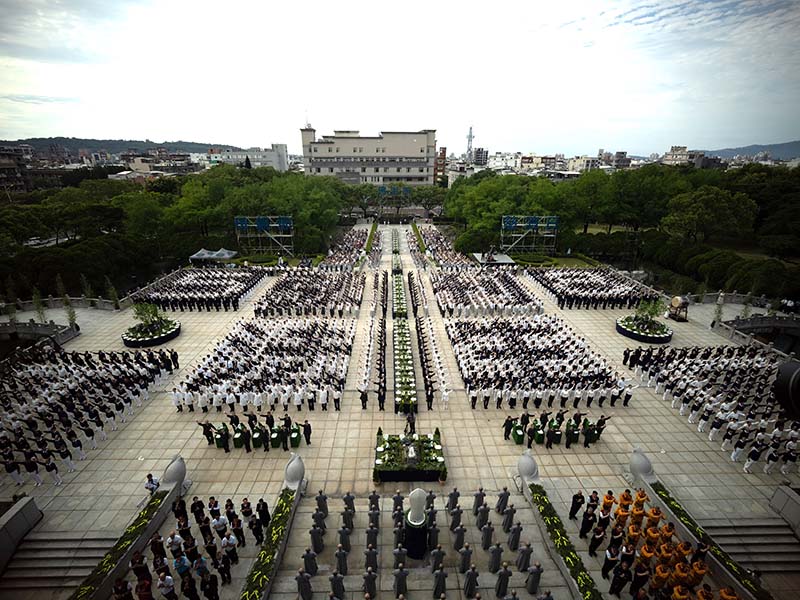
x: 54, y: 562
x: 766, y: 544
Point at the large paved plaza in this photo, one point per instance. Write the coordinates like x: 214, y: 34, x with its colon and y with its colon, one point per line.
x: 103, y: 494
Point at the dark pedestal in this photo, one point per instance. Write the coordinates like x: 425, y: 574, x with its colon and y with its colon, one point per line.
x: 416, y: 540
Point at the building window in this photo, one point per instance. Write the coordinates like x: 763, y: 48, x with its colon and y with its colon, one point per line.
x: 386, y: 169
x: 317, y: 169
x: 408, y: 169
x: 422, y: 150
x: 363, y: 169
x: 316, y: 149
x: 398, y: 169
x: 330, y: 169
x: 421, y: 170
x: 337, y: 149
x: 377, y: 169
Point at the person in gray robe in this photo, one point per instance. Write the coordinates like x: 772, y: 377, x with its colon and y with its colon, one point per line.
x: 534, y: 576
x: 400, y: 585
x: 458, y: 537
x: 372, y: 535
x: 471, y: 582
x: 337, y: 584
x: 437, y: 558
x: 455, y: 517
x: 433, y: 537
x: 349, y: 501
x: 310, y: 562
x: 430, y: 516
x: 347, y: 519
x: 397, y: 501
x: 303, y: 580
x: 466, y: 558
x: 317, y: 542
x: 429, y: 499
x: 502, y: 501
x: 452, y: 499
x: 341, y: 559
x: 374, y: 499
x: 319, y: 519
x: 322, y: 503
x: 369, y: 586
x: 508, y: 518
x: 440, y: 584
x: 479, y: 499
x: 398, y: 535
x: 524, y: 557
x: 486, y: 535
x: 374, y: 517
x: 511, y: 596
x: 501, y: 587
x: 513, y: 537
x: 371, y: 558
x: 344, y: 539
x: 398, y: 517
x: 483, y: 516
x: 495, y: 556
x: 399, y: 554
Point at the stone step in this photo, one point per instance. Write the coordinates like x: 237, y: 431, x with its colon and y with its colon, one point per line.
x: 33, y: 536
x: 66, y: 545
x: 746, y: 530
x: 781, y: 550
x: 738, y: 540
x: 56, y: 553
x: 29, y: 583
x: 42, y: 574
x: 65, y: 562
x: 743, y: 522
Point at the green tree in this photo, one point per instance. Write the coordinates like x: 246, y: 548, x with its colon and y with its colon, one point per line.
x: 38, y: 305
x: 86, y: 287
x: 247, y: 164
x: 708, y: 212
x: 111, y: 292
x: 61, y: 290
x: 72, y: 317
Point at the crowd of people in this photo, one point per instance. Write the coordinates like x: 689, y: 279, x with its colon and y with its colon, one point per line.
x: 640, y: 551
x: 591, y: 288
x: 58, y: 404
x: 438, y: 247
x: 375, y: 251
x: 420, y: 262
x: 271, y: 362
x: 341, y: 550
x: 726, y: 391
x: 538, y: 359
x: 373, y: 353
x: 479, y: 292
x: 344, y: 255
x: 312, y: 292
x: 198, y: 289
x: 281, y: 433
x: 202, y: 550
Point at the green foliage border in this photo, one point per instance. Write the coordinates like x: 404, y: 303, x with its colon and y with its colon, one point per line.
x: 371, y: 237
x: 563, y: 545
x: 420, y: 242
x: 265, y: 565
x: 739, y: 573
x: 89, y: 586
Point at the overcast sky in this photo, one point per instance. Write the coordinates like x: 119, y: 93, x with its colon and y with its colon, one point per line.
x: 533, y: 76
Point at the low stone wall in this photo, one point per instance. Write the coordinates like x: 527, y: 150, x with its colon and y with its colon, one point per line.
x: 34, y: 331
x: 15, y: 525
x: 786, y: 502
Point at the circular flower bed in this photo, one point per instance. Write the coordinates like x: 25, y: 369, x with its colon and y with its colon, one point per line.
x: 648, y: 331
x: 144, y: 336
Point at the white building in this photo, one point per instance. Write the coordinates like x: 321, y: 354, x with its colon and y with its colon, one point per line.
x: 276, y: 157
x: 677, y: 155
x: 393, y: 157
x: 583, y: 163
x: 504, y: 160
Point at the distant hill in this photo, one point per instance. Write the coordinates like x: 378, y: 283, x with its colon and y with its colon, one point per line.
x: 785, y: 151
x: 112, y: 146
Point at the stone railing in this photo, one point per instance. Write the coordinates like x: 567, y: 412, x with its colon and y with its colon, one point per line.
x: 76, y: 302
x: 786, y: 502
x: 740, y: 337
x: 128, y: 300
x: 15, y: 524
x: 35, y: 331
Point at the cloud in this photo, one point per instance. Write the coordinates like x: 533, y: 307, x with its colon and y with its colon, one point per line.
x: 34, y: 99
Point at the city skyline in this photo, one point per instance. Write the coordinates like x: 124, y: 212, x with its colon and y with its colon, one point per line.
x: 570, y: 78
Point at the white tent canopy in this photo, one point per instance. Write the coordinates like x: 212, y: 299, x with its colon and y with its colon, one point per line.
x: 221, y: 254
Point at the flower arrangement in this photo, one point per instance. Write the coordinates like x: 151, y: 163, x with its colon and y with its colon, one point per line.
x: 395, y: 241
x: 399, y: 306
x: 153, y: 327
x: 265, y: 565
x: 405, y: 386
x: 113, y: 556
x: 397, y: 266
x: 643, y: 324
x: 741, y: 574
x: 392, y: 454
x: 564, y: 547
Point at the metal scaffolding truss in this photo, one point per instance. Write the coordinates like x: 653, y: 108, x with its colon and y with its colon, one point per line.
x: 265, y: 235
x: 528, y: 234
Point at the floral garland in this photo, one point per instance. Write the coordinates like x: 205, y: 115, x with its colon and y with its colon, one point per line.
x: 644, y: 326
x: 144, y: 333
x: 264, y: 567
x: 399, y: 306
x: 93, y: 581
x: 395, y: 242
x: 390, y: 453
x: 405, y: 386
x: 564, y: 547
x: 741, y: 574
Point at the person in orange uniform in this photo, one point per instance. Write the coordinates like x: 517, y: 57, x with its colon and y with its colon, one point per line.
x: 647, y: 553
x: 622, y: 515
x: 667, y: 531
x: 679, y: 593
x: 634, y: 534
x: 609, y: 501
x: 625, y: 499
x: 682, y: 552
x: 698, y: 573
x: 727, y: 593
x: 637, y: 515
x: 641, y: 498
x: 652, y: 536
x: 705, y: 593
x: 680, y: 575
x: 664, y: 554
x: 654, y: 515
x: 659, y: 579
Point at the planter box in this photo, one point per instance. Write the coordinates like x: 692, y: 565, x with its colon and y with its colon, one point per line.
x: 642, y: 337
x: 153, y: 341
x: 518, y: 435
x: 408, y: 475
